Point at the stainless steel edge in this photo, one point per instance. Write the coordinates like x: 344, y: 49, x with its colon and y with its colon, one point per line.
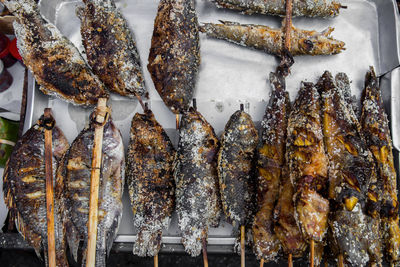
x: 30, y: 102
x: 394, y: 77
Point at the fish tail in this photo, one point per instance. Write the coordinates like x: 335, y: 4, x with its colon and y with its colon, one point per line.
x: 148, y: 243
x: 101, y: 250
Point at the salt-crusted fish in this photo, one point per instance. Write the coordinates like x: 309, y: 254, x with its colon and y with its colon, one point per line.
x: 25, y: 189
x: 175, y: 53
x: 271, y: 40
x: 76, y: 172
x: 315, y: 8
x: 271, y: 157
x: 110, y: 47
x: 150, y: 181
x: 197, y: 192
x: 54, y: 61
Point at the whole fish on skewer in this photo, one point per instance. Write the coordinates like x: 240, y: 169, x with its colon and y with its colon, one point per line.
x: 270, y: 163
x: 54, y: 61
x: 25, y: 189
x: 317, y: 8
x: 269, y: 40
x: 149, y: 176
x: 110, y: 47
x: 197, y: 192
x: 76, y: 172
x: 376, y: 130
x: 174, y: 57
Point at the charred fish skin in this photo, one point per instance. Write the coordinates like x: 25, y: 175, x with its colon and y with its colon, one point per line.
x: 319, y: 8
x: 54, y: 61
x: 271, y: 40
x: 174, y: 57
x: 150, y: 181
x: 195, y: 172
x: 236, y: 162
x: 25, y: 189
x: 76, y: 170
x: 376, y: 130
x: 110, y: 48
x: 271, y: 158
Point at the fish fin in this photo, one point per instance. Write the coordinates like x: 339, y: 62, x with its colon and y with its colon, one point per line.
x: 112, y: 234
x: 148, y: 243
x: 30, y: 236
x: 101, y: 249
x: 229, y: 23
x: 73, y: 239
x: 327, y: 32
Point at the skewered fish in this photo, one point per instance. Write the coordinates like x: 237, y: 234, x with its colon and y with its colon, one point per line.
x: 175, y: 53
x: 318, y: 8
x: 270, y: 162
x: 76, y: 172
x: 236, y: 162
x: 25, y: 189
x: 271, y: 40
x: 377, y: 134
x: 110, y: 48
x: 150, y: 181
x: 55, y: 62
x: 351, y: 175
x: 197, y: 193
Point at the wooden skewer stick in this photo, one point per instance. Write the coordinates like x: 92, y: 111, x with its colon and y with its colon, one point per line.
x: 177, y: 121
x: 156, y: 260
x: 242, y: 247
x: 340, y: 260
x: 290, y: 260
x: 205, y: 257
x: 101, y: 111
x: 312, y: 253
x: 262, y: 262
x: 48, y: 157
x: 288, y: 23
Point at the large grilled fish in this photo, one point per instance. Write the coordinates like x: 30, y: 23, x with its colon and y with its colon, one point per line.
x: 271, y: 157
x: 150, y: 180
x: 75, y: 170
x: 175, y: 53
x: 110, y: 48
x: 376, y: 130
x: 25, y: 189
x: 271, y: 40
x: 197, y: 193
x: 54, y: 61
x: 317, y: 8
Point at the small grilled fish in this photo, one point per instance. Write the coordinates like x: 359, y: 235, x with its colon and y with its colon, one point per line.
x: 236, y: 162
x: 376, y: 130
x: 197, y: 192
x: 150, y: 180
x: 25, y: 189
x: 54, y: 61
x: 318, y: 8
x: 110, y: 48
x: 75, y: 170
x: 175, y: 53
x: 271, y: 157
x: 271, y: 40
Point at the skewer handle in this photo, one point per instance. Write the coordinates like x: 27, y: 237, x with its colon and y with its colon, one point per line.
x: 156, y: 260
x: 312, y: 253
x: 288, y: 23
x: 262, y: 262
x: 340, y: 260
x: 290, y: 260
x: 205, y: 257
x: 242, y: 247
x: 177, y: 121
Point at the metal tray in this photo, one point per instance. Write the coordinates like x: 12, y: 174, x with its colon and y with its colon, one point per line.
x: 231, y: 75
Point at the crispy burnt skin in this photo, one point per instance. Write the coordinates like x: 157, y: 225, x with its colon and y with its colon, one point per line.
x: 318, y: 8
x: 25, y: 190
x: 271, y: 157
x: 352, y: 178
x: 271, y: 40
x: 76, y: 172
x: 54, y: 61
x: 110, y: 47
x: 197, y: 192
x: 175, y: 53
x: 376, y: 130
x: 150, y: 181
x: 236, y: 162
x: 308, y: 163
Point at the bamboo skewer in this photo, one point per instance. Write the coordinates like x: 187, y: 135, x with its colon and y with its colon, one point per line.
x: 288, y: 23
x: 242, y: 247
x: 156, y: 260
x: 312, y: 253
x: 262, y: 262
x: 177, y: 121
x: 290, y: 260
x: 340, y: 260
x: 205, y: 257
x: 48, y: 157
x: 101, y: 112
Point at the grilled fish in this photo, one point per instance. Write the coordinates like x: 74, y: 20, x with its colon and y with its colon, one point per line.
x: 197, y: 192
x: 54, y: 61
x: 150, y: 180
x: 110, y: 48
x: 376, y: 130
x: 25, y: 189
x: 236, y: 162
x: 318, y: 8
x: 271, y: 40
x: 175, y: 53
x: 271, y: 157
x: 76, y: 171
